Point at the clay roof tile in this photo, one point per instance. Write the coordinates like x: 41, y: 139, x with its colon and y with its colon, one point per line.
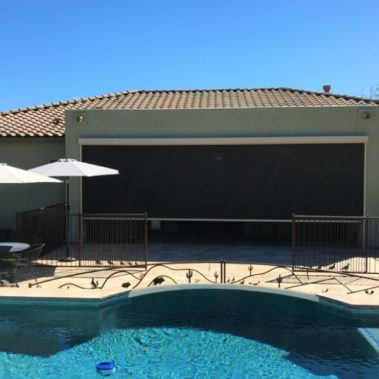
x: 48, y: 119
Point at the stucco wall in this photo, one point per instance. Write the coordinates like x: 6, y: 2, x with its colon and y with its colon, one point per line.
x: 268, y: 122
x: 264, y: 122
x: 27, y: 153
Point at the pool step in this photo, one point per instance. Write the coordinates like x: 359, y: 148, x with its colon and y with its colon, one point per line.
x: 372, y: 336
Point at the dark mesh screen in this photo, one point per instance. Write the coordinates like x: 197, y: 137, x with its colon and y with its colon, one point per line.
x: 227, y: 182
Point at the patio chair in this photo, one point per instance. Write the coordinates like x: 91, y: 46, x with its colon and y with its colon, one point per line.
x: 8, y: 265
x: 32, y: 254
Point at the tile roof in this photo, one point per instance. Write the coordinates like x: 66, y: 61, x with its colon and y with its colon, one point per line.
x: 48, y: 120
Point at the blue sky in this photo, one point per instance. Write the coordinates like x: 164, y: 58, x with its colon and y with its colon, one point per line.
x: 59, y: 50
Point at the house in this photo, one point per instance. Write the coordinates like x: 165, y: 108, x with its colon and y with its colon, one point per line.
x: 244, y: 157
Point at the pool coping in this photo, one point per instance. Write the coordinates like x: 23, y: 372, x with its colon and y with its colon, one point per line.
x: 338, y: 305
x: 80, y: 286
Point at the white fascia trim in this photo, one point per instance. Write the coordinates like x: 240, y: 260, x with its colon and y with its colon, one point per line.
x: 222, y: 141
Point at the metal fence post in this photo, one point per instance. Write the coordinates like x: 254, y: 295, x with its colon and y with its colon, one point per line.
x: 80, y: 231
x: 365, y: 241
x: 222, y: 272
x: 145, y: 237
x: 293, y: 242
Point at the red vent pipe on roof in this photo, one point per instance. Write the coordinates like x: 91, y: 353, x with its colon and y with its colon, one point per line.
x: 326, y: 88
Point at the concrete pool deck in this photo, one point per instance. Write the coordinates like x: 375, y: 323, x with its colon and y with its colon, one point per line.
x: 271, y: 261
x: 352, y: 290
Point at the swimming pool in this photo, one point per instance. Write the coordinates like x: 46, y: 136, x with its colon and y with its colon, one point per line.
x: 196, y: 333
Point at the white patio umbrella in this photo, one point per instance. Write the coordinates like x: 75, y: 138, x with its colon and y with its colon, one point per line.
x: 14, y: 175
x: 66, y: 167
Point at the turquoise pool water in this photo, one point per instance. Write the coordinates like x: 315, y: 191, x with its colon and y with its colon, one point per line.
x: 185, y: 334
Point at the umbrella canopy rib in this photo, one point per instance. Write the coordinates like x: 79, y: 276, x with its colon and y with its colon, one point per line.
x: 14, y: 175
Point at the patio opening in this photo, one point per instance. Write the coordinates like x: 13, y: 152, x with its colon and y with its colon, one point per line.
x: 218, y: 232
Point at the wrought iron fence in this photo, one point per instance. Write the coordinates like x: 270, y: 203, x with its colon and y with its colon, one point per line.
x: 86, y: 240
x: 45, y: 225
x: 113, y: 240
x: 335, y: 243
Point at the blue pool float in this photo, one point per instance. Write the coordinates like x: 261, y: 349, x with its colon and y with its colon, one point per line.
x: 106, y: 368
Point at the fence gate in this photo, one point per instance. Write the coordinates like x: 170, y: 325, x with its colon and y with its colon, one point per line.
x: 113, y: 240
x: 335, y: 243
x: 94, y: 240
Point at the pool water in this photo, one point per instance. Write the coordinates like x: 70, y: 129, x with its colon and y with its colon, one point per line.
x: 161, y: 353
x: 186, y: 334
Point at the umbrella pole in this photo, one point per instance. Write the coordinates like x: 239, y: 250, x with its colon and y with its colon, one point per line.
x: 67, y: 207
x: 67, y: 213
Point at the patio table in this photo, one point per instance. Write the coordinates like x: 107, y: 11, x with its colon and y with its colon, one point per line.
x: 13, y: 247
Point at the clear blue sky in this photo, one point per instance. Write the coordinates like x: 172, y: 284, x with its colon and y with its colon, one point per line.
x: 59, y: 50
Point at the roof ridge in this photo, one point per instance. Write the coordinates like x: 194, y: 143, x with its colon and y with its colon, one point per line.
x: 64, y: 102
x: 331, y: 94
x: 123, y: 93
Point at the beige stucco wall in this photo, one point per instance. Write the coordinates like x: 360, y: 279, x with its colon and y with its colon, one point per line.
x: 27, y: 153
x: 263, y: 122
x: 267, y: 122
